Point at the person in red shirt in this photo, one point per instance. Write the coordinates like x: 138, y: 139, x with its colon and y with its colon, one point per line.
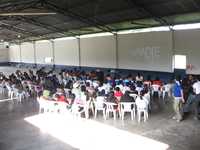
x: 118, y: 93
x: 156, y: 88
x: 61, y: 98
x: 148, y: 82
x: 157, y: 81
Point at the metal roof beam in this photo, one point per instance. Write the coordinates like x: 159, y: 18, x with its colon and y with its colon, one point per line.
x: 16, y: 29
x: 11, y: 4
x: 79, y: 17
x: 143, y: 9
x: 6, y: 37
x: 141, y: 24
x: 46, y: 26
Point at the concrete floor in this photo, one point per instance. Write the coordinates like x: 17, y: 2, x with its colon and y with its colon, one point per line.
x: 18, y: 134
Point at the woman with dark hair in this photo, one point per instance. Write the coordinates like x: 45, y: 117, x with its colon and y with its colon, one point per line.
x: 133, y: 90
x: 127, y: 98
x: 139, y: 78
x: 112, y: 99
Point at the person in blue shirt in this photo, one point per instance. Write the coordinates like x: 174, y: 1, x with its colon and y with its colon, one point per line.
x: 178, y: 100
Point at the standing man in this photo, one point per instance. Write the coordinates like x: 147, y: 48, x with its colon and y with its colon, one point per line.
x: 178, y: 100
x: 196, y: 88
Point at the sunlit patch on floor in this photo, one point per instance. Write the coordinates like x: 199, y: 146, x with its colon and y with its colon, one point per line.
x: 91, y: 135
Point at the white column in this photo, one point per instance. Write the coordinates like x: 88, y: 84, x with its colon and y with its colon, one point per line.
x: 79, y: 51
x: 34, y: 55
x: 53, y: 52
x: 117, y: 50
x: 20, y: 53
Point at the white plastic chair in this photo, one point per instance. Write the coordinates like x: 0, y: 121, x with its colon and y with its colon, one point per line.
x: 142, y: 108
x: 42, y: 105
x: 83, y: 107
x: 148, y: 98
x: 165, y: 91
x: 2, y: 89
x: 99, y: 105
x: 127, y: 107
x: 139, y: 89
x: 46, y: 105
x: 20, y: 96
x: 76, y: 110
x: 110, y: 108
x: 50, y: 106
x: 10, y: 91
x: 156, y: 88
x: 61, y: 107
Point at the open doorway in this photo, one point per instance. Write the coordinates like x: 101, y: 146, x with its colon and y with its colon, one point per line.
x: 180, y: 65
x: 180, y: 62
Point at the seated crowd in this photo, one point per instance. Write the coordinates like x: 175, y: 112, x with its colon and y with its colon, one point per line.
x: 79, y: 88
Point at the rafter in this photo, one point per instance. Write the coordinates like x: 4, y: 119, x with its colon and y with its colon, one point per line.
x: 79, y: 17
x: 16, y: 29
x: 141, y: 24
x: 46, y: 26
x: 12, y: 4
x: 137, y: 6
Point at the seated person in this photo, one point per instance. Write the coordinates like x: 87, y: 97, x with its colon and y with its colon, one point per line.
x: 70, y: 97
x: 127, y: 98
x: 142, y: 101
x: 46, y: 95
x: 126, y: 88
x: 148, y: 82
x: 156, y: 87
x: 139, y: 77
x: 101, y: 93
x: 38, y: 89
x: 139, y: 87
x: 133, y: 90
x: 112, y: 99
x: 61, y: 98
x: 91, y: 92
x: 118, y: 93
x: 60, y: 91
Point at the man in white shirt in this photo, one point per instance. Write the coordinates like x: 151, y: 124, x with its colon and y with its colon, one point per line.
x: 196, y: 88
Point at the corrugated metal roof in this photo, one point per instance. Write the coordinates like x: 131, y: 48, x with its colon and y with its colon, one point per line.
x: 76, y: 17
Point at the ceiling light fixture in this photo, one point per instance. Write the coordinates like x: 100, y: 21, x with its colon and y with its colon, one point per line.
x: 28, y: 14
